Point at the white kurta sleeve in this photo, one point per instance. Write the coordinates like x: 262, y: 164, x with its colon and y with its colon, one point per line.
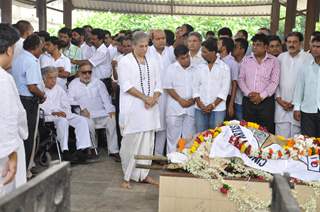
x: 196, y: 83
x: 106, y: 98
x: 67, y: 65
x: 158, y: 84
x: 73, y: 90
x: 168, y: 80
x: 125, y: 78
x: 225, y: 83
x: 9, y: 120
x: 98, y: 58
x: 64, y: 101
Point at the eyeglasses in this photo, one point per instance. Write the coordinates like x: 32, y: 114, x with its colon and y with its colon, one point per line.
x: 86, y: 72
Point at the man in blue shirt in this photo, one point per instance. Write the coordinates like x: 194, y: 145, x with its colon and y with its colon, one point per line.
x: 27, y: 74
x: 307, y: 94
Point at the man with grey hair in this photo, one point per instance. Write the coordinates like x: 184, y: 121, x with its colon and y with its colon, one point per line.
x: 194, y: 45
x: 160, y: 52
x: 140, y: 89
x: 57, y: 109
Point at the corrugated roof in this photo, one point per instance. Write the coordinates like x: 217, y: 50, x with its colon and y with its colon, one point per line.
x: 180, y: 7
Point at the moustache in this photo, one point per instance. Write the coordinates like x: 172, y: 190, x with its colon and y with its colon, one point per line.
x: 291, y: 47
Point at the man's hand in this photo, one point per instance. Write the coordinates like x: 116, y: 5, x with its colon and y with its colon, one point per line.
x: 85, y: 113
x: 297, y: 115
x: 231, y: 110
x: 42, y: 99
x: 208, y: 108
x: 200, y: 104
x: 10, y: 169
x: 59, y: 114
x: 148, y: 102
x: 255, y: 98
x: 112, y: 114
x: 287, y: 106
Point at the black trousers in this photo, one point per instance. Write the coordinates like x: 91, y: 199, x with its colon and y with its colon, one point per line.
x: 310, y: 124
x: 262, y: 114
x: 31, y: 105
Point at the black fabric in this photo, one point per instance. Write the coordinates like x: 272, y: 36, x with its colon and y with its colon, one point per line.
x: 31, y: 106
x: 262, y: 114
x: 310, y: 124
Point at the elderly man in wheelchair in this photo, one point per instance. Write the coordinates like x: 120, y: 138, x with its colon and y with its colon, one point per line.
x: 57, y: 109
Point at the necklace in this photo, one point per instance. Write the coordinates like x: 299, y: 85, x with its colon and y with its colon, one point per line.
x: 148, y: 75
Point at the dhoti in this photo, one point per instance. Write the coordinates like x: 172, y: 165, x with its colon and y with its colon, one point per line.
x: 141, y: 143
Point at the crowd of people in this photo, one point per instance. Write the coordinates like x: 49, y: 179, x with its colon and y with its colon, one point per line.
x: 148, y: 89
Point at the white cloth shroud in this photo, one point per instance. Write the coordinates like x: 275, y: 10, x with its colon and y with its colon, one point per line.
x: 302, y: 169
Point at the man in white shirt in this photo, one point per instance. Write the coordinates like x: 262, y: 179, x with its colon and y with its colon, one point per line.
x: 292, y: 63
x: 54, y: 57
x: 210, y: 88
x: 100, y: 60
x: 164, y: 55
x: 91, y: 94
x: 180, y: 104
x: 57, y: 109
x: 140, y: 86
x: 25, y: 29
x: 13, y: 119
x: 78, y: 39
x: 194, y: 45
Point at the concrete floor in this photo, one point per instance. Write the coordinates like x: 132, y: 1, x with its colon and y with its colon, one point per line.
x: 95, y: 187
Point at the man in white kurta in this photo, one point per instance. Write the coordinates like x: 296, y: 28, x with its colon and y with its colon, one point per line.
x: 292, y: 63
x: 140, y: 86
x: 164, y: 55
x: 13, y: 120
x: 92, y: 95
x: 180, y: 104
x: 57, y: 109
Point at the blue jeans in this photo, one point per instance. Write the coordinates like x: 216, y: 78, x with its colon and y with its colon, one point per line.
x: 206, y: 121
x: 238, y: 112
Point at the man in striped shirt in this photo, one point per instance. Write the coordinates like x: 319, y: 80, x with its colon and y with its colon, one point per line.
x: 258, y: 80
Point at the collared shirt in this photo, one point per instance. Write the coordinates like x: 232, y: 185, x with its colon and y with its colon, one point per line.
x: 180, y: 80
x: 307, y: 91
x: 26, y: 71
x: 62, y: 62
x: 13, y: 118
x: 18, y: 47
x: 197, y: 59
x: 73, y: 52
x: 134, y: 117
x: 101, y: 63
x: 290, y: 69
x: 56, y: 101
x: 212, y: 84
x: 262, y: 78
x: 86, y: 51
x: 112, y: 51
x: 92, y: 96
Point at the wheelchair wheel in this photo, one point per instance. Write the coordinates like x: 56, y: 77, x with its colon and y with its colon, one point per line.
x: 45, y: 159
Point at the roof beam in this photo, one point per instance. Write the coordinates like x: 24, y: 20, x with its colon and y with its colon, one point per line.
x: 6, y: 11
x: 290, y: 21
x: 195, y: 3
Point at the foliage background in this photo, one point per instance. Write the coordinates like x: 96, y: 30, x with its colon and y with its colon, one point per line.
x: 115, y: 22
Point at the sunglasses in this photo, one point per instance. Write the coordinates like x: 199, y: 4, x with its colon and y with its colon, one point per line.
x: 86, y: 72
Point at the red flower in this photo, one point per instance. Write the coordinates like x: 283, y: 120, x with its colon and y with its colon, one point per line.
x: 223, y: 190
x: 260, y: 178
x: 243, y: 123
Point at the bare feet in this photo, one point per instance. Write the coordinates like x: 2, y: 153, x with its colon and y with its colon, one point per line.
x: 151, y: 181
x: 126, y: 185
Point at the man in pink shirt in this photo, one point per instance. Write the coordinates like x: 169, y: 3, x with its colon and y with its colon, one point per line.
x: 258, y: 80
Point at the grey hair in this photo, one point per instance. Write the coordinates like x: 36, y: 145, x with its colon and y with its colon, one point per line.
x: 48, y: 70
x: 196, y: 34
x: 138, y: 36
